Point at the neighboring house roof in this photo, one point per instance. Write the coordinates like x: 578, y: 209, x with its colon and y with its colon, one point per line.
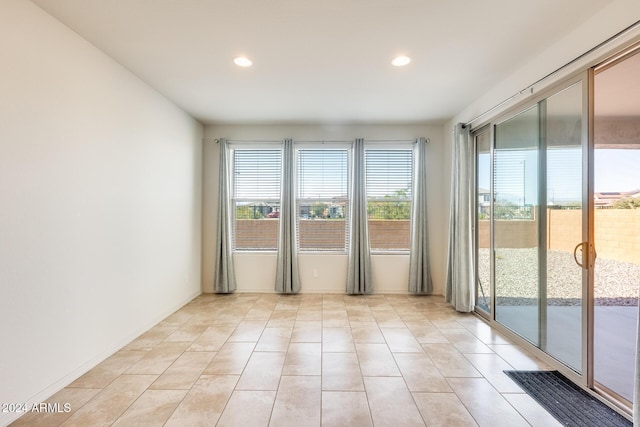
x: 608, y: 198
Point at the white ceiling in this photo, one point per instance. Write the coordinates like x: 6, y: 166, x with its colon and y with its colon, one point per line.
x: 321, y: 61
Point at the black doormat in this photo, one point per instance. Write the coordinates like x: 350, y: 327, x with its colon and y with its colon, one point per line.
x: 567, y: 402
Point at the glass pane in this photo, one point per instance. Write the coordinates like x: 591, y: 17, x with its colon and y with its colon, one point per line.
x: 483, y: 235
x: 516, y: 224
x: 564, y: 226
x: 322, y: 186
x: 617, y: 224
x: 256, y: 174
x: 256, y: 225
x: 256, y: 197
x: 322, y: 225
x: 322, y: 174
x: 389, y: 224
x: 388, y: 185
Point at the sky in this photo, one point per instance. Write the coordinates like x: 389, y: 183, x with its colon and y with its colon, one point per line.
x: 617, y: 170
x: 614, y: 170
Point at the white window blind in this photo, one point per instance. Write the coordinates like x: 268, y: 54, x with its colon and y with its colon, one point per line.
x: 322, y: 199
x: 388, y: 180
x: 256, y: 198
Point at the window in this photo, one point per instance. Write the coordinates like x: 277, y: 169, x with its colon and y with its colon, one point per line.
x: 388, y: 180
x: 256, y: 198
x: 322, y: 199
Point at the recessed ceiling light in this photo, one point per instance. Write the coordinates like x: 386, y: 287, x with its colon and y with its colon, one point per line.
x: 400, y: 61
x: 242, y: 61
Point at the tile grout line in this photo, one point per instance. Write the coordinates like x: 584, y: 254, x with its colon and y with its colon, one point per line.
x: 413, y: 399
x: 239, y: 376
x: 329, y: 304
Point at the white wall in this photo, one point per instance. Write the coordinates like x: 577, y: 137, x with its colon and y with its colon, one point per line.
x: 100, y: 205
x: 255, y: 271
x: 610, y: 20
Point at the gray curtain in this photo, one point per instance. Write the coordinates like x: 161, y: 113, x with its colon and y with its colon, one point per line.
x: 419, y: 269
x: 225, y: 278
x: 287, y: 274
x: 359, y: 278
x: 460, y: 275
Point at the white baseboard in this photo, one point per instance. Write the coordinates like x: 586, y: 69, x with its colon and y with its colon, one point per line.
x: 316, y: 291
x: 43, y: 395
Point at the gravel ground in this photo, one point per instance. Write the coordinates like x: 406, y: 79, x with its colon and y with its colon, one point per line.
x: 617, y: 283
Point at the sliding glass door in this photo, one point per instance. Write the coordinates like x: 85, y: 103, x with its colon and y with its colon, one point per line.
x: 516, y: 223
x: 537, y: 222
x: 616, y: 224
x: 558, y: 179
x: 564, y: 215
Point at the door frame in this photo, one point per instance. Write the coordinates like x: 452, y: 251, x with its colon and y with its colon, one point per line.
x: 598, y: 60
x: 584, y: 378
x: 599, y: 388
x: 486, y: 129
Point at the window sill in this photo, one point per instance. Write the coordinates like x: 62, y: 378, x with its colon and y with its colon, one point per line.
x: 390, y: 253
x: 314, y: 253
x: 254, y: 253
x: 322, y: 253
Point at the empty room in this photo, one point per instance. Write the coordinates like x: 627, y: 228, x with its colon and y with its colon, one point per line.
x: 338, y: 213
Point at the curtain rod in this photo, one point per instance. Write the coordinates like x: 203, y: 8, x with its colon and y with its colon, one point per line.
x: 556, y: 71
x: 394, y: 140
x: 217, y: 140
x: 322, y: 141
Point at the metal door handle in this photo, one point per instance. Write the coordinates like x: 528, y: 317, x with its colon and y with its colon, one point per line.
x: 575, y: 254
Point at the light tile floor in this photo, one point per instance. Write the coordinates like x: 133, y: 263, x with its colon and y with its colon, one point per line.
x: 306, y: 360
